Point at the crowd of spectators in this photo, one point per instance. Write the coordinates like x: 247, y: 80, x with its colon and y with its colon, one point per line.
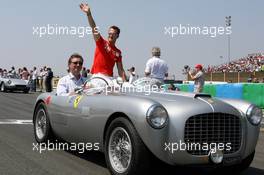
x: 36, y: 77
x: 41, y: 78
x: 251, y: 63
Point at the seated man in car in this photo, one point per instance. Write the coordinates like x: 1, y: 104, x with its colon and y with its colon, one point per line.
x: 67, y: 84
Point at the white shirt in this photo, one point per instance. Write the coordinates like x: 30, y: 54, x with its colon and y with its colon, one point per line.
x: 157, y: 68
x: 68, y: 83
x: 198, y: 81
x: 34, y: 75
x: 42, y: 75
x: 132, y: 77
x: 13, y: 72
x: 45, y: 73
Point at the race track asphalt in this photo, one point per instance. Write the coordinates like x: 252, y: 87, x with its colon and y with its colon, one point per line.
x: 17, y: 156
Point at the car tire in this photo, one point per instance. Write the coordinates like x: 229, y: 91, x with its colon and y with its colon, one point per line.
x: 122, y: 139
x: 2, y: 87
x: 42, y: 128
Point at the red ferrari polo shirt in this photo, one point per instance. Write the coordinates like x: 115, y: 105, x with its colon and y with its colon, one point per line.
x: 105, y: 57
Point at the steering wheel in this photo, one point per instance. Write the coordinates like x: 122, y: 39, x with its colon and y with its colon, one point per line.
x: 94, y: 78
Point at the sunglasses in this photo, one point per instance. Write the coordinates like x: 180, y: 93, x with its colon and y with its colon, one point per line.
x: 112, y: 34
x: 77, y: 62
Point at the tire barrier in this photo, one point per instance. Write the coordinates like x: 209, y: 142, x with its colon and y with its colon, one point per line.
x: 252, y: 92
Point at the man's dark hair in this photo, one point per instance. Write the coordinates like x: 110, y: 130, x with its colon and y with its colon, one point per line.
x: 75, y: 55
x: 172, y: 87
x: 116, y: 29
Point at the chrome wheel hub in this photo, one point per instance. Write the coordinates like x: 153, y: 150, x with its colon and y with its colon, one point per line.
x: 120, y: 150
x: 40, y: 124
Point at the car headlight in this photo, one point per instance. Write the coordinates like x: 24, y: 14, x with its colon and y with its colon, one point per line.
x: 254, y: 115
x: 157, y: 116
x: 9, y: 82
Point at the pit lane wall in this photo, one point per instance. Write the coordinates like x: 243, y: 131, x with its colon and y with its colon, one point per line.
x: 252, y: 92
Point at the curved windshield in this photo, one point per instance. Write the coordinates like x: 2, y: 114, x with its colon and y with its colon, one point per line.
x: 97, y: 85
x: 146, y: 81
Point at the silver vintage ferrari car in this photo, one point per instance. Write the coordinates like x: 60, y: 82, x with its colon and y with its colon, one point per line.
x: 13, y: 83
x: 135, y: 122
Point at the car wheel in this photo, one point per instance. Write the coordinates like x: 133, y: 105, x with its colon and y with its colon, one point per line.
x: 42, y: 127
x: 125, y: 152
x: 3, y: 89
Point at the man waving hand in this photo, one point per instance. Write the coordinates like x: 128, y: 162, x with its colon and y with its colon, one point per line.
x: 106, y: 53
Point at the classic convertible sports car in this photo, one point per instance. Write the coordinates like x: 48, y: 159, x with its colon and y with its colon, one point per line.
x: 13, y: 83
x: 132, y: 124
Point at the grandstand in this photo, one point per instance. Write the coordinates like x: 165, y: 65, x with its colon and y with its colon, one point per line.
x: 247, y: 69
x: 250, y: 63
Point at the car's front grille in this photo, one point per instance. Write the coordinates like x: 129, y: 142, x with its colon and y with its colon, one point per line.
x: 21, y: 86
x: 212, y: 130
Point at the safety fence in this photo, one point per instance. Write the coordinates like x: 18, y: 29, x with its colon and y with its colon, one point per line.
x: 234, y: 77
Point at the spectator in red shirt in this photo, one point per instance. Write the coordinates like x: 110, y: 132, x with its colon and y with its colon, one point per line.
x: 106, y: 53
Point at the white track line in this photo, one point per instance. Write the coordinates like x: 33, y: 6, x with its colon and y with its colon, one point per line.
x: 15, y: 122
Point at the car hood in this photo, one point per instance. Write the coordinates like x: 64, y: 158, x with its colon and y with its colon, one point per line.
x: 178, y: 103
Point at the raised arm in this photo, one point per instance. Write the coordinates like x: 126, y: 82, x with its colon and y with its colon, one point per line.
x: 121, y: 71
x: 86, y: 9
x: 193, y: 77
